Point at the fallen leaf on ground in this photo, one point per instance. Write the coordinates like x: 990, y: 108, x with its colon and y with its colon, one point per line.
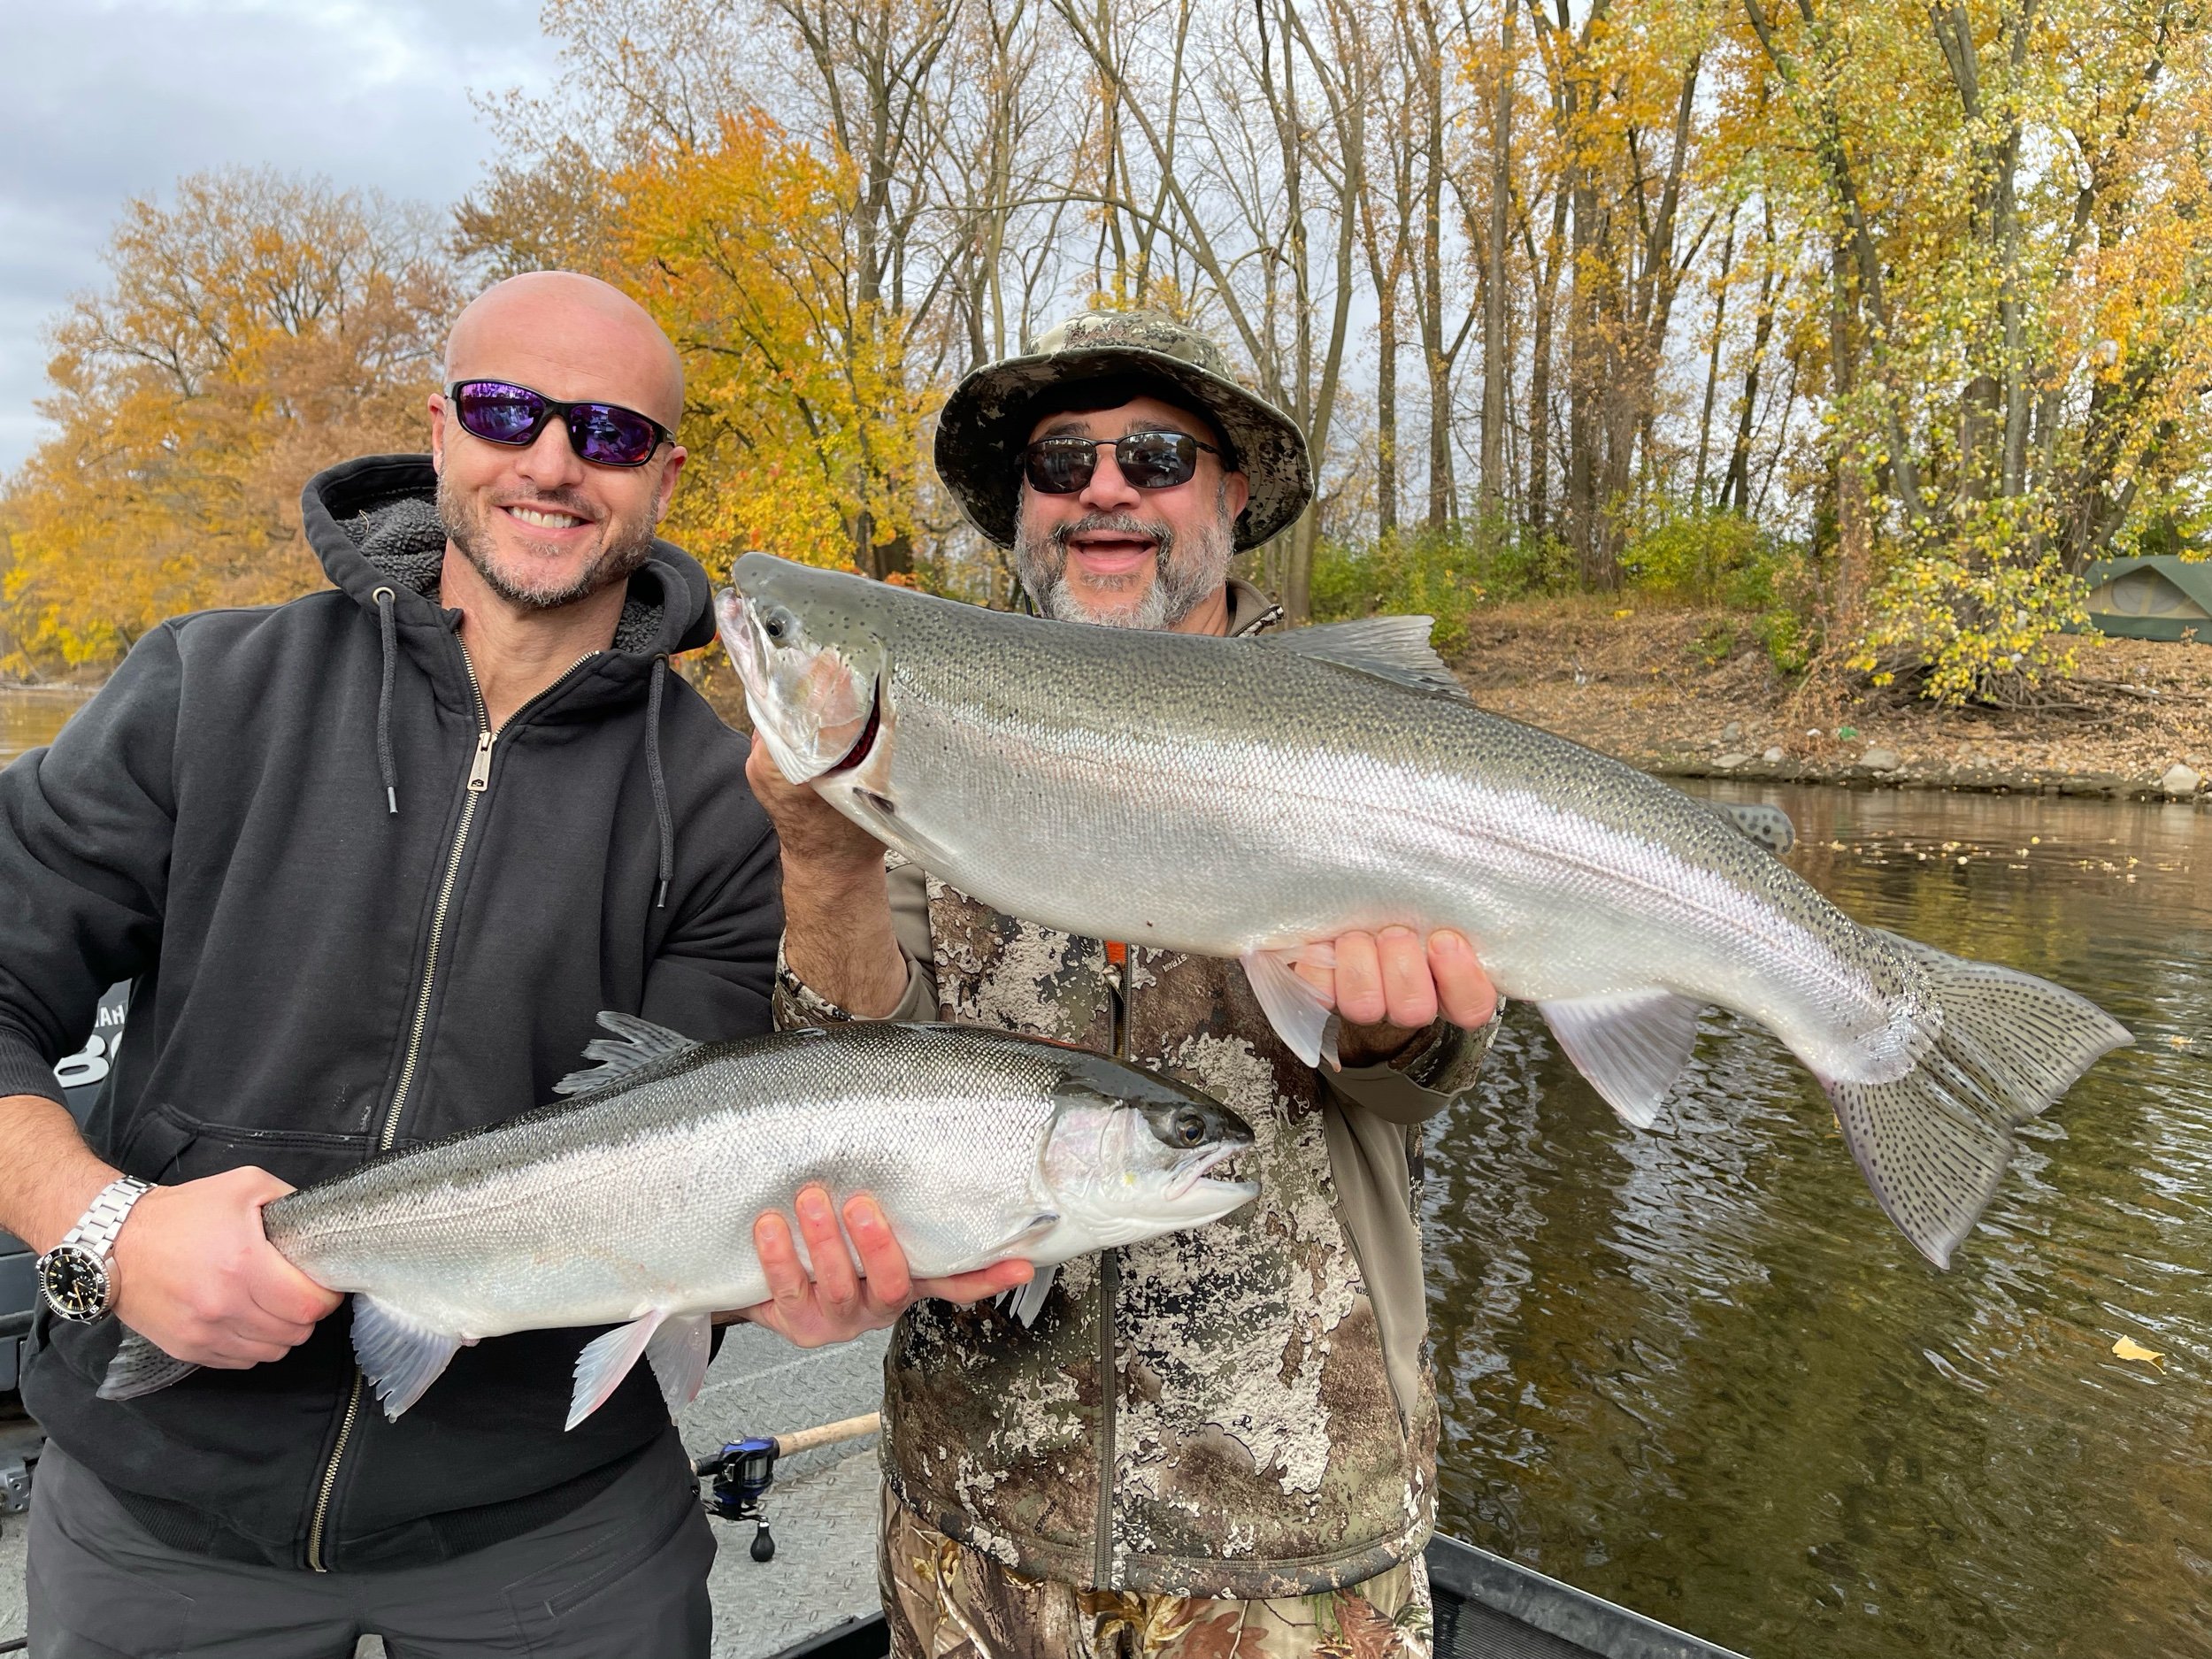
x: 2128, y: 1348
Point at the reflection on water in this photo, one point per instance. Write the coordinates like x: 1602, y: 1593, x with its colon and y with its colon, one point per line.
x: 29, y: 718
x: 1696, y: 1370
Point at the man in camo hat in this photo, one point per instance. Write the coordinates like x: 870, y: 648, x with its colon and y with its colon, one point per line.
x: 1222, y: 1441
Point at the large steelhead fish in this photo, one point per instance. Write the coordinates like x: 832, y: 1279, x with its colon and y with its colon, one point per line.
x: 634, y: 1201
x: 1252, y: 798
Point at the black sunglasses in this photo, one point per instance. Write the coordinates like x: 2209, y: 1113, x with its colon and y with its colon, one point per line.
x: 605, y: 434
x: 1148, y: 460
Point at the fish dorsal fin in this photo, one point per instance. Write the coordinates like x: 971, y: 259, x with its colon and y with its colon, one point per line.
x: 1767, y: 826
x: 1395, y: 648
x: 1630, y: 1045
x: 641, y: 1043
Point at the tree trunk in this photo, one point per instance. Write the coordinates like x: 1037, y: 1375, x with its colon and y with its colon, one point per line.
x: 1493, y: 357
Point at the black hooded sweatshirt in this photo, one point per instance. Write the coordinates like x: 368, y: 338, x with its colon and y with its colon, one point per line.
x: 318, y: 976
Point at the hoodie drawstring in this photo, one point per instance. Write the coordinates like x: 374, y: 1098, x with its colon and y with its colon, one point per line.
x: 660, y: 784
x: 385, y: 765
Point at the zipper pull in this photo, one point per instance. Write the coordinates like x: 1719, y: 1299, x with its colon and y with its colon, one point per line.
x: 480, y: 769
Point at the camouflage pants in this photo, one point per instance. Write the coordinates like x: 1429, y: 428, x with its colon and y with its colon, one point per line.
x: 943, y: 1600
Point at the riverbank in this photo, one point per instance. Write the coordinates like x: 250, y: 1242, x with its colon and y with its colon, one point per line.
x: 1690, y: 692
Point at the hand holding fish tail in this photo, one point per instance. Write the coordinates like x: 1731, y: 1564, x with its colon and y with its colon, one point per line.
x: 1389, y: 987
x: 837, y: 1304
x: 197, y: 1275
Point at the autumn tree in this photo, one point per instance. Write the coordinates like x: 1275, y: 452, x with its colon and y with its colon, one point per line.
x: 254, y: 329
x: 801, y: 422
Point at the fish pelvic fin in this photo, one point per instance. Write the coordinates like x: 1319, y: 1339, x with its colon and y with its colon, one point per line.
x: 606, y: 1360
x: 677, y: 1353
x: 400, y: 1355
x: 636, y: 1044
x: 1630, y: 1045
x: 1934, y: 1142
x: 1025, y: 1303
x: 1300, y: 1014
x: 139, y: 1367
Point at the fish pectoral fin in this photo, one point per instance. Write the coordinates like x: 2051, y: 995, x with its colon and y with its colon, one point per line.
x: 1630, y: 1045
x: 1030, y: 1231
x: 1395, y: 648
x: 641, y: 1043
x: 605, y: 1360
x: 401, y: 1356
x: 677, y: 1353
x: 880, y: 816
x: 141, y: 1368
x: 1300, y: 1014
x: 1025, y: 1303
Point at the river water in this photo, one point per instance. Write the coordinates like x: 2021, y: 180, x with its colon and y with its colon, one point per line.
x: 29, y: 718
x: 1697, y: 1372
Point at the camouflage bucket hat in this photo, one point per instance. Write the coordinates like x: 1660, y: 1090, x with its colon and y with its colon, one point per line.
x: 988, y: 416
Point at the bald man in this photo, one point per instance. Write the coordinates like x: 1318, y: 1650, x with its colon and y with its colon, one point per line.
x: 373, y: 861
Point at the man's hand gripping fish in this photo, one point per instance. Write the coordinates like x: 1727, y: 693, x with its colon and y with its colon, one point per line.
x: 1249, y: 797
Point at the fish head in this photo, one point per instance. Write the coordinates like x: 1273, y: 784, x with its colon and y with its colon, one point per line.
x: 812, y: 660
x: 1130, y: 1155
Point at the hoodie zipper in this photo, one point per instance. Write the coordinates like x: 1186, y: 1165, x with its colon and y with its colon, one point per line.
x: 478, y: 785
x: 1108, y: 1300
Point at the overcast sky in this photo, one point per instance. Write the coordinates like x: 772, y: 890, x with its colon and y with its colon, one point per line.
x: 101, y: 102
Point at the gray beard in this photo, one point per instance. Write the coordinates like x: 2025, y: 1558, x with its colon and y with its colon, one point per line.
x: 1180, y: 585
x: 625, y: 551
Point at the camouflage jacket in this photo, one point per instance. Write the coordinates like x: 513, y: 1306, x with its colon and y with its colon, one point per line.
x: 1239, y: 1411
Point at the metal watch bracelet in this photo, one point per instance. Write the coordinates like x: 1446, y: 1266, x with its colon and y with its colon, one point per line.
x: 77, y: 1276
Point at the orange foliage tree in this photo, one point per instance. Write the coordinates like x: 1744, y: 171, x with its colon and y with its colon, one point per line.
x: 257, y: 328
x: 801, y: 417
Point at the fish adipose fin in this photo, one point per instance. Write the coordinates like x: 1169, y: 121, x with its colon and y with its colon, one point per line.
x: 1933, y: 1143
x: 605, y: 1360
x: 641, y: 1043
x: 1630, y: 1045
x: 678, y: 1353
x: 1299, y: 1013
x: 400, y: 1356
x: 1768, y: 827
x: 1395, y: 648
x: 140, y: 1368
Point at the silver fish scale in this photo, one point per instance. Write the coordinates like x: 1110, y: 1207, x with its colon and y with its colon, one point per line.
x: 590, y: 1213
x: 1322, y: 799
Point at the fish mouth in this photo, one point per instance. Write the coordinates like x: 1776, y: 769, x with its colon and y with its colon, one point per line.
x: 1200, y: 1167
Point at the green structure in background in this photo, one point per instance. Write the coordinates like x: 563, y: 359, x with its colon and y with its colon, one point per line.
x: 2163, y: 597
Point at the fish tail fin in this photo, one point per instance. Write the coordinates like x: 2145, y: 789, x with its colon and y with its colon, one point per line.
x: 139, y: 1367
x: 1934, y: 1142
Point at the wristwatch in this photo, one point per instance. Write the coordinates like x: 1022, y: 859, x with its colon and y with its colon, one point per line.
x: 76, y: 1276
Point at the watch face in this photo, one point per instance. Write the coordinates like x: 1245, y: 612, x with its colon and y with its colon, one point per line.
x: 75, y: 1281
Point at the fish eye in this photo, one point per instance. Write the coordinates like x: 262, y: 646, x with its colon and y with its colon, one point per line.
x: 774, y: 628
x: 1189, y: 1126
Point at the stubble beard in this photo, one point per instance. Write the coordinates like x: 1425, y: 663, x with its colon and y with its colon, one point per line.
x: 623, y: 548
x: 1187, y: 569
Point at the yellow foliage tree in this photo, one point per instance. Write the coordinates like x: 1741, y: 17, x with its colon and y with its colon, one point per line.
x: 256, y: 329
x: 802, y: 424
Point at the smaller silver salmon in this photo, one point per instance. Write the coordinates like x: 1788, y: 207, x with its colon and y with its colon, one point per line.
x: 632, y: 1205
